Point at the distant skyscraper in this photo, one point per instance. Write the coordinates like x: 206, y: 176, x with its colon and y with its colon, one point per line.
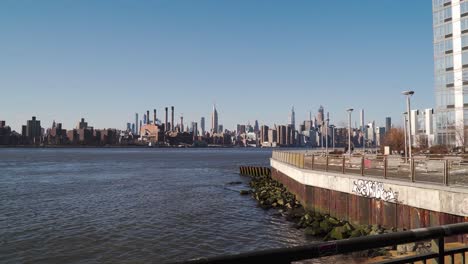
x: 282, y: 135
x: 195, y: 130
x: 172, y: 118
x: 272, y: 136
x: 320, y: 116
x: 256, y: 128
x: 166, y: 125
x: 129, y: 127
x: 264, y: 134
x: 362, y: 120
x: 240, y: 129
x: 220, y: 129
x: 202, y: 126
x: 388, y: 124
x: 133, y: 129
x: 82, y: 124
x: 144, y: 119
x: 214, y: 120
x: 292, y: 118
x: 33, y: 130
x: 136, y: 124
x: 181, y: 123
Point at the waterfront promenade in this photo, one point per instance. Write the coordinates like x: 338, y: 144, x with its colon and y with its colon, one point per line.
x: 377, y: 190
x: 446, y: 170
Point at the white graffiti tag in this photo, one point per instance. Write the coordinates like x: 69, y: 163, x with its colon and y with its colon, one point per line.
x: 373, y: 189
x: 464, y: 206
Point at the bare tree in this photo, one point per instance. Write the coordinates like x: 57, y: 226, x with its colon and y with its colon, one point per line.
x: 395, y: 139
x: 460, y: 135
x: 422, y: 142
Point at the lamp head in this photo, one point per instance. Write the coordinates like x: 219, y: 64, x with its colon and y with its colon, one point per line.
x: 408, y: 92
x: 350, y: 110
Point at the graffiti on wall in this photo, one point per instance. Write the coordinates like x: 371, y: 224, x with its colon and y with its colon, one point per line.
x: 464, y: 206
x: 373, y: 189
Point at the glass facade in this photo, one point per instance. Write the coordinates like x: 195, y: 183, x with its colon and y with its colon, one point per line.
x: 450, y: 22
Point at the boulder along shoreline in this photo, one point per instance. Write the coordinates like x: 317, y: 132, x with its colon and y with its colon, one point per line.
x: 271, y: 194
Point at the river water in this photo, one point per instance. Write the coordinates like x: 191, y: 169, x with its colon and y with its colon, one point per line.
x: 132, y: 206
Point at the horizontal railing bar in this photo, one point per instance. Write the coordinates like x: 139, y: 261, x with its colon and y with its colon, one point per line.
x: 410, y: 259
x: 457, y: 250
x: 287, y: 255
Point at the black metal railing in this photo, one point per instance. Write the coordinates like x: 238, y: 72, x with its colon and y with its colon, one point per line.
x: 318, y: 250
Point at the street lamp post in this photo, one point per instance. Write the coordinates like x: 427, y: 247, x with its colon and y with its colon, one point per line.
x: 326, y: 136
x: 408, y: 109
x: 321, y: 136
x: 405, y: 132
x: 333, y: 136
x: 349, y: 130
x: 364, y: 138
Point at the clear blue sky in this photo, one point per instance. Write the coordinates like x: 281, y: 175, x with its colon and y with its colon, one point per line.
x: 106, y: 60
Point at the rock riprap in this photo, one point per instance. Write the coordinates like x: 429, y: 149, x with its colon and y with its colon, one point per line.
x: 272, y: 194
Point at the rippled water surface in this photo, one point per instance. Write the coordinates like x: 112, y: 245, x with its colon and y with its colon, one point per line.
x: 131, y: 206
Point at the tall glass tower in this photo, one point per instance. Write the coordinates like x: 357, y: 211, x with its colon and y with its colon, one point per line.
x: 450, y: 22
x: 214, y: 121
x: 292, y: 119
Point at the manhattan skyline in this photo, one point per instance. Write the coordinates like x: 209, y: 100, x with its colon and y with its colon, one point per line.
x: 105, y: 61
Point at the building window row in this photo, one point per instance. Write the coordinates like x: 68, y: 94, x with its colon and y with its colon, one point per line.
x: 442, y: 16
x: 440, y: 3
x: 443, y: 47
x: 443, y: 31
x: 445, y: 99
x: 464, y: 8
x: 449, y: 62
x: 464, y: 41
x: 446, y: 63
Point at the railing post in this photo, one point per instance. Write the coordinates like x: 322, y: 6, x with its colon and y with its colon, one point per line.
x: 362, y: 166
x: 302, y: 160
x: 326, y: 163
x: 412, y: 170
x: 385, y: 163
x: 343, y: 165
x: 441, y: 243
x: 446, y: 172
x: 313, y: 160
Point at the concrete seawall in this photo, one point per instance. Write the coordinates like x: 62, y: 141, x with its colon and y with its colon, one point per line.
x: 365, y: 200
